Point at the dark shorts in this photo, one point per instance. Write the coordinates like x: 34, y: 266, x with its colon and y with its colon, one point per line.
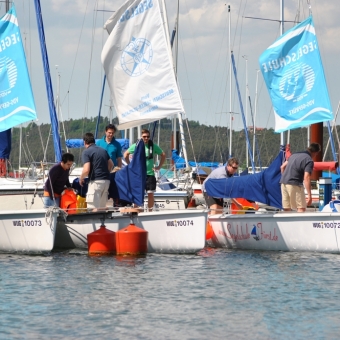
x: 150, y: 183
x: 212, y: 200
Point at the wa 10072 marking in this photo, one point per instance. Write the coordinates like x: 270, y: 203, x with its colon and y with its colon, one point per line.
x: 329, y: 225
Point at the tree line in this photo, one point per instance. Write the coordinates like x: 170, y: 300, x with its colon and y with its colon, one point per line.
x: 203, y: 143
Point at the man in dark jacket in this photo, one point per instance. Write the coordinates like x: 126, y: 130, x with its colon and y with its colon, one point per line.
x: 57, y: 181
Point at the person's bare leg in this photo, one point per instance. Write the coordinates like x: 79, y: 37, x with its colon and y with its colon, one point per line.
x: 151, y: 200
x: 215, y: 209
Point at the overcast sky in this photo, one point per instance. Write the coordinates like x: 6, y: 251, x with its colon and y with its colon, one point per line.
x: 75, y: 36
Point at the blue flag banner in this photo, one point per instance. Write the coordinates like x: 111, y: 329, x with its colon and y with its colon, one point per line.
x: 293, y: 72
x: 16, y: 97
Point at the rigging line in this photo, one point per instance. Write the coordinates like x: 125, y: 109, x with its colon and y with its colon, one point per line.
x: 333, y: 125
x: 212, y: 90
x: 91, y: 58
x: 63, y: 124
x: 48, y: 140
x: 277, y: 20
x: 190, y: 139
x: 186, y: 72
x: 41, y: 140
x: 238, y: 16
x: 217, y: 68
x: 103, y: 39
x: 75, y: 58
x: 198, y: 54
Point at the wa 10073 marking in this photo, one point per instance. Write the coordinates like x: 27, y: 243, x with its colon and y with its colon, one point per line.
x: 27, y: 223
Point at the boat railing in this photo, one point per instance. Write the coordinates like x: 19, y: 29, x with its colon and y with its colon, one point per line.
x: 33, y: 172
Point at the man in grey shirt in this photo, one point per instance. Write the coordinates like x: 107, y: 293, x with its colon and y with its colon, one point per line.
x: 296, y: 176
x: 215, y: 204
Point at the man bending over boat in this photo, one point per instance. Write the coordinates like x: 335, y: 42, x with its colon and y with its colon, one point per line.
x: 215, y: 204
x: 97, y: 166
x: 57, y: 180
x: 150, y: 149
x: 296, y: 177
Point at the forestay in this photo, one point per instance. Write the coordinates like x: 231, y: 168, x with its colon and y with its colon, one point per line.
x: 137, y: 62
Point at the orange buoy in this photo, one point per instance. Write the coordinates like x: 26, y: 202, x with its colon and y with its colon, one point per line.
x: 131, y: 241
x: 209, y: 233
x: 101, y: 242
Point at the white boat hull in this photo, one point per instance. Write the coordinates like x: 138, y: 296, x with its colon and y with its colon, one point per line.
x: 28, y: 231
x: 309, y: 231
x: 169, y: 200
x: 176, y: 232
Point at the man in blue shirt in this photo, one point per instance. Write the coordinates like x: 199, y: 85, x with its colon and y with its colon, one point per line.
x: 109, y: 143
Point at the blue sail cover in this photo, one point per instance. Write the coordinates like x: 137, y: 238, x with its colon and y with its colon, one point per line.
x: 16, y: 97
x: 262, y: 187
x: 79, y: 143
x: 293, y: 72
x: 5, y: 144
x: 131, y: 179
x: 180, y: 162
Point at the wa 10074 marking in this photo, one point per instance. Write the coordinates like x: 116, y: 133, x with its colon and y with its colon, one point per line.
x: 179, y: 223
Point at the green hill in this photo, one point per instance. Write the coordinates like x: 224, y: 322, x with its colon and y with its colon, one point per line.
x: 210, y: 143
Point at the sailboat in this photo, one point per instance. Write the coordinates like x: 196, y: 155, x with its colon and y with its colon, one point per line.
x: 295, y: 52
x: 137, y: 64
x: 23, y: 231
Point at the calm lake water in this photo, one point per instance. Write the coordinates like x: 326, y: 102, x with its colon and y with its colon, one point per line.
x: 216, y: 294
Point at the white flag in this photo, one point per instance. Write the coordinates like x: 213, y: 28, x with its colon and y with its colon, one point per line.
x: 138, y: 65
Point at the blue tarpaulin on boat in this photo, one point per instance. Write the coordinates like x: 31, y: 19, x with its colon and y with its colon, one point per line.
x: 131, y: 179
x: 262, y: 187
x: 5, y: 143
x: 335, y: 178
x: 79, y: 143
x: 180, y: 162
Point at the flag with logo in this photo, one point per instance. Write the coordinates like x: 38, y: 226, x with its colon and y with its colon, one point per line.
x: 293, y: 72
x: 137, y: 62
x: 16, y: 97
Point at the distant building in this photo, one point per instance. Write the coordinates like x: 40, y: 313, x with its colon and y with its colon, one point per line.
x: 251, y: 128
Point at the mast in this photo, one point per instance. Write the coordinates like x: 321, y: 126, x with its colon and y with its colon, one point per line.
x: 247, y: 91
x: 230, y: 115
x: 48, y: 82
x: 282, y: 29
x: 255, y: 112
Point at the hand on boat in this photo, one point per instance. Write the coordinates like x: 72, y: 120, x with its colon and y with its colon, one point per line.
x: 309, y: 200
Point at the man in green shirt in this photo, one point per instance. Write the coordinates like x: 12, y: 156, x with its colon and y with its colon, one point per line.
x: 150, y: 149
